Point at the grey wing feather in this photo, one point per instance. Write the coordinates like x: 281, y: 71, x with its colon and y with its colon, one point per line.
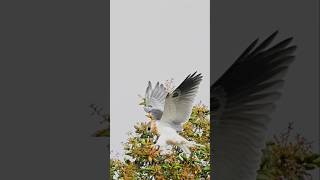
x: 240, y: 104
x: 154, y: 99
x: 179, y: 103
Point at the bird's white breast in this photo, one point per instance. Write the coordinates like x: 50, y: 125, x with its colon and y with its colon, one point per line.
x: 166, y: 133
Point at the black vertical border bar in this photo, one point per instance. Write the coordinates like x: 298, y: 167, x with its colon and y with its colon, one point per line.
x: 319, y: 77
x: 211, y: 82
x: 108, y: 83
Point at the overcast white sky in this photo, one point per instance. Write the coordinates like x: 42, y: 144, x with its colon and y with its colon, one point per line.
x: 153, y: 40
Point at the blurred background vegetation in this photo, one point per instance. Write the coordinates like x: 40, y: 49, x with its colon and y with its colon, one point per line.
x: 288, y: 156
x: 104, y: 120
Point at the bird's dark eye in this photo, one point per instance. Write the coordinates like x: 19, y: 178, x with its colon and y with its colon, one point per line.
x: 175, y: 94
x: 149, y: 128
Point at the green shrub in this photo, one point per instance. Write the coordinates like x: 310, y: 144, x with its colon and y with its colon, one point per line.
x: 284, y: 157
x: 143, y: 160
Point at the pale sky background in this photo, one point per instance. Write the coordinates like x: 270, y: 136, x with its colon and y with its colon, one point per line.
x: 154, y: 40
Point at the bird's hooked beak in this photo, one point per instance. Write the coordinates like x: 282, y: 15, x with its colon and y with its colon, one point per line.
x: 149, y: 115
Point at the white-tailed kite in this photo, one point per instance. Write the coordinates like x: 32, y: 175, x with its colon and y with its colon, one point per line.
x: 170, y: 110
x: 240, y: 104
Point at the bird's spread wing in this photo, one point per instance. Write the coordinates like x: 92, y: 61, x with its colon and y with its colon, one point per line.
x: 241, y: 101
x: 178, y: 104
x: 154, y: 99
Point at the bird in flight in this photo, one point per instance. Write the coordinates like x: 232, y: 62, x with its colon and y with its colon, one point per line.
x: 170, y: 110
x: 241, y: 101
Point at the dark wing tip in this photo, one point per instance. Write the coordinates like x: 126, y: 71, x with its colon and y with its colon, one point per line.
x: 258, y: 64
x: 253, y: 50
x: 195, y: 76
x: 272, y: 36
x: 191, y: 83
x: 265, y: 43
x: 248, y: 50
x: 275, y: 33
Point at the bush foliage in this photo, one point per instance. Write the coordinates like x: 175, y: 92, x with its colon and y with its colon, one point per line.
x: 286, y: 156
x: 143, y: 159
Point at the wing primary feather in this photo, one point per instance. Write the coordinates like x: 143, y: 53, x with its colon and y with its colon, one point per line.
x: 247, y: 51
x: 265, y: 43
x: 154, y: 100
x: 280, y: 45
x: 190, y: 83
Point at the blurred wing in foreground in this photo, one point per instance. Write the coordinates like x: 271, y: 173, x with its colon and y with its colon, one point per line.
x: 241, y: 101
